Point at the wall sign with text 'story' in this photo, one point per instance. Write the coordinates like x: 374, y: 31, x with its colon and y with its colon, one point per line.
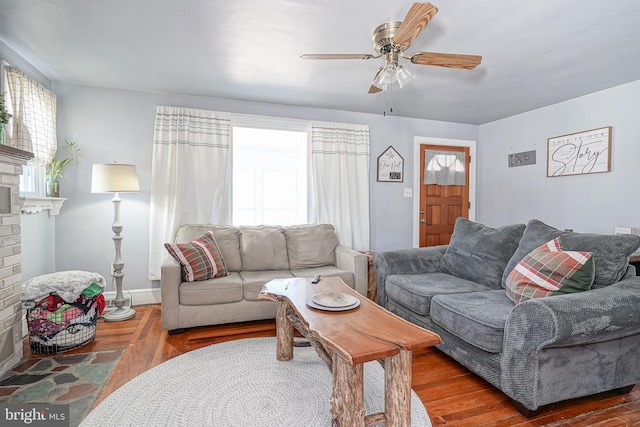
x: 390, y: 166
x: 579, y: 153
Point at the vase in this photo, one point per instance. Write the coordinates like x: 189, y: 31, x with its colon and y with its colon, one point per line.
x: 53, y: 187
x: 2, y: 135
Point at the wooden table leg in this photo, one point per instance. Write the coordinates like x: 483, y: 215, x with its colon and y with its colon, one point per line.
x: 397, y: 391
x: 347, y: 398
x: 284, y: 333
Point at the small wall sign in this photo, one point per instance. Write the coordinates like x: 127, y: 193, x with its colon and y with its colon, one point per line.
x: 390, y: 166
x: 579, y: 153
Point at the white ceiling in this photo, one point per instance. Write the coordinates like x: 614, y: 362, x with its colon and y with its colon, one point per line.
x: 535, y: 53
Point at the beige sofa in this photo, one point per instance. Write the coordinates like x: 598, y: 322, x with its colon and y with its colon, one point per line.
x: 253, y: 255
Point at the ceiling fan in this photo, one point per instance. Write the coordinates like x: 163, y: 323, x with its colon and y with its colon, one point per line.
x: 392, y: 38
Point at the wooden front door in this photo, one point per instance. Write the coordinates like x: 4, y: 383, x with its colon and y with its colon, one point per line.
x: 440, y: 205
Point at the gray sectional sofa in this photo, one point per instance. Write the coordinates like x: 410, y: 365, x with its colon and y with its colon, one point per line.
x: 253, y: 256
x: 539, y: 351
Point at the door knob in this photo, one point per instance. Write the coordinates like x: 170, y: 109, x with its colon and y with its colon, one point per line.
x: 423, y: 221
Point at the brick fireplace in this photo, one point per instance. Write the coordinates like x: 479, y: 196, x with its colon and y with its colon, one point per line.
x: 11, y: 162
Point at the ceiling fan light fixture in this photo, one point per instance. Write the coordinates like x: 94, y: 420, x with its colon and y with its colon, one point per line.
x: 391, y: 74
x: 403, y: 76
x: 382, y: 79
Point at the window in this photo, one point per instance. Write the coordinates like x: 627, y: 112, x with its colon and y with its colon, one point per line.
x: 32, y: 181
x: 444, y: 168
x: 33, y: 125
x: 256, y: 170
x: 269, y: 176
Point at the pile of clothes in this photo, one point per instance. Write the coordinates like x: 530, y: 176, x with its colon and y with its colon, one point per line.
x: 62, y: 309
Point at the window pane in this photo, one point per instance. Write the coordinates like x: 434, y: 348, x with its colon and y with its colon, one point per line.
x: 244, y: 217
x: 32, y: 181
x: 244, y: 190
x: 269, y: 176
x: 279, y: 190
x: 280, y: 217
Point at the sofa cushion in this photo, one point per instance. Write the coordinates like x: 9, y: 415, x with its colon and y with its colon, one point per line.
x: 263, y: 248
x: 415, y: 291
x: 326, y: 271
x: 548, y: 270
x: 610, y: 252
x: 255, y: 280
x: 228, y: 241
x: 209, y: 292
x: 200, y: 259
x: 188, y: 232
x: 226, y: 237
x: 311, y: 245
x: 479, y: 253
x: 475, y: 317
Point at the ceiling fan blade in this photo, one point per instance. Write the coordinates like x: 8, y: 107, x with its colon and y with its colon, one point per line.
x: 374, y: 88
x: 337, y: 56
x: 451, y: 60
x: 418, y: 17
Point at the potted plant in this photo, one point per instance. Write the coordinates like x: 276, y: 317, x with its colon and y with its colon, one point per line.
x: 55, y: 168
x: 4, y: 117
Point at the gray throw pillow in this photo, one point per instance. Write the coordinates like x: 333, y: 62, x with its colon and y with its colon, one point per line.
x: 610, y: 252
x: 479, y: 253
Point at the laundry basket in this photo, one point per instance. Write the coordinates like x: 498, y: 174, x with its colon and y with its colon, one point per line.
x: 65, y: 328
x: 58, y: 324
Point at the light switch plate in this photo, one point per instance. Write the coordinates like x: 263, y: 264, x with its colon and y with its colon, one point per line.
x: 408, y: 192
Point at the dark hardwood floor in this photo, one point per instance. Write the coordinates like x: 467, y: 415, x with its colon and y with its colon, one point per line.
x: 452, y: 395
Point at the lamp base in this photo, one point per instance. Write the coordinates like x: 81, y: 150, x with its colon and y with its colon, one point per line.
x: 119, y: 314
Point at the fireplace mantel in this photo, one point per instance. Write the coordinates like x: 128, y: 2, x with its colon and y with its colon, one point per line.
x: 15, y: 153
x: 31, y: 205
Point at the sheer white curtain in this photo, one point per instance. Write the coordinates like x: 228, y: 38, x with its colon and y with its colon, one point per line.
x: 340, y: 180
x: 444, y: 167
x: 190, y: 175
x: 34, y: 116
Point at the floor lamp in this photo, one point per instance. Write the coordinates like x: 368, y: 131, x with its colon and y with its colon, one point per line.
x: 116, y: 178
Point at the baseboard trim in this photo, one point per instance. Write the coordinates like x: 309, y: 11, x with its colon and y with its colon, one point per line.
x: 139, y: 296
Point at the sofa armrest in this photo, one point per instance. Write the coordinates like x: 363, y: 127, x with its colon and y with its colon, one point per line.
x: 170, y: 280
x: 594, y: 316
x: 356, y: 262
x: 406, y: 261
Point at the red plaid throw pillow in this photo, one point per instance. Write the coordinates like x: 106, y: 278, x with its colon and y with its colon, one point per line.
x: 201, y: 259
x: 548, y: 270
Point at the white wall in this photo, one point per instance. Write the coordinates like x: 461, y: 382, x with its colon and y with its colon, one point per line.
x: 117, y: 125
x: 587, y: 203
x: 38, y: 244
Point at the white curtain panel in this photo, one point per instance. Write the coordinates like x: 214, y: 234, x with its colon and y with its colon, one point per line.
x: 190, y: 175
x: 34, y: 117
x: 340, y: 180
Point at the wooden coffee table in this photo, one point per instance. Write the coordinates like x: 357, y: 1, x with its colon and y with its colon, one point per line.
x: 345, y: 340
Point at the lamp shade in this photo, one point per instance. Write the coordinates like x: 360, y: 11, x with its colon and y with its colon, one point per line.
x: 114, y: 178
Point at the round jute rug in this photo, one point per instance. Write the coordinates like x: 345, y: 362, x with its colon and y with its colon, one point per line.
x: 237, y: 383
